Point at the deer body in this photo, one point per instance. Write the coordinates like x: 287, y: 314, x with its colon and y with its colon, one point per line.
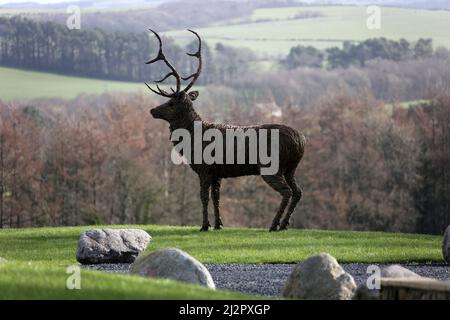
x: 180, y: 114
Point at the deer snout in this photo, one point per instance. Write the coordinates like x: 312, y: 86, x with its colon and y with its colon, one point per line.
x: 154, y: 113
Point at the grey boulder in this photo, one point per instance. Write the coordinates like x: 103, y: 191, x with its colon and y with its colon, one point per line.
x: 175, y: 264
x: 391, y: 271
x: 397, y: 271
x: 319, y: 277
x: 446, y: 245
x: 111, y: 245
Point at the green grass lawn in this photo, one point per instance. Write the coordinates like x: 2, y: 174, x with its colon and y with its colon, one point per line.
x: 37, y: 258
x: 20, y: 280
x: 337, y: 24
x: 58, y: 245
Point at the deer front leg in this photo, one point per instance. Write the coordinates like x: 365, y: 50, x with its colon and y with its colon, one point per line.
x: 205, y: 184
x: 215, y: 195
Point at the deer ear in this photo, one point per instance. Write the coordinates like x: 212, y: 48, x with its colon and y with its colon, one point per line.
x: 193, y: 95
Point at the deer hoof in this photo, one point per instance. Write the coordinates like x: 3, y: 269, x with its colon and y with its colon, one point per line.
x: 273, y: 228
x: 218, y: 224
x: 204, y: 228
x: 284, y: 226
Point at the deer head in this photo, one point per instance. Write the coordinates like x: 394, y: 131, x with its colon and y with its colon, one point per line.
x: 180, y: 101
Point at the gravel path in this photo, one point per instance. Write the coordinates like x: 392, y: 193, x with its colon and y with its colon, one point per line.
x: 269, y: 279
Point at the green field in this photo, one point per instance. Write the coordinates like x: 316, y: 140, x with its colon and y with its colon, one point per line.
x: 335, y: 25
x: 21, y: 85
x: 37, y: 258
x: 404, y: 105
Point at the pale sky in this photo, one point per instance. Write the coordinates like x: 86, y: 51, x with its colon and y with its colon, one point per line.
x: 108, y: 2
x: 37, y: 1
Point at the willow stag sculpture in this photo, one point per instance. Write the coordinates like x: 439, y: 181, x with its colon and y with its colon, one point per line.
x: 179, y: 112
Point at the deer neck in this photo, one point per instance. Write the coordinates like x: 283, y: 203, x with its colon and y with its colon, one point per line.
x: 185, y: 122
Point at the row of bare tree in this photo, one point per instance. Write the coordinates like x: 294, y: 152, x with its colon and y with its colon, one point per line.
x: 51, y: 47
x: 103, y: 159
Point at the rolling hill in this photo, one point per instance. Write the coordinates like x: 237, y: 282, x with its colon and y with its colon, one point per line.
x: 274, y: 31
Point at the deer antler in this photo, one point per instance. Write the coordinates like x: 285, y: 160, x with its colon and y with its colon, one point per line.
x: 198, y: 55
x: 174, y: 73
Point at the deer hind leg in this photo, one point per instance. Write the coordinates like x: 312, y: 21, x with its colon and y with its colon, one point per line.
x: 215, y: 195
x: 205, y: 185
x: 278, y: 183
x: 297, y: 193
